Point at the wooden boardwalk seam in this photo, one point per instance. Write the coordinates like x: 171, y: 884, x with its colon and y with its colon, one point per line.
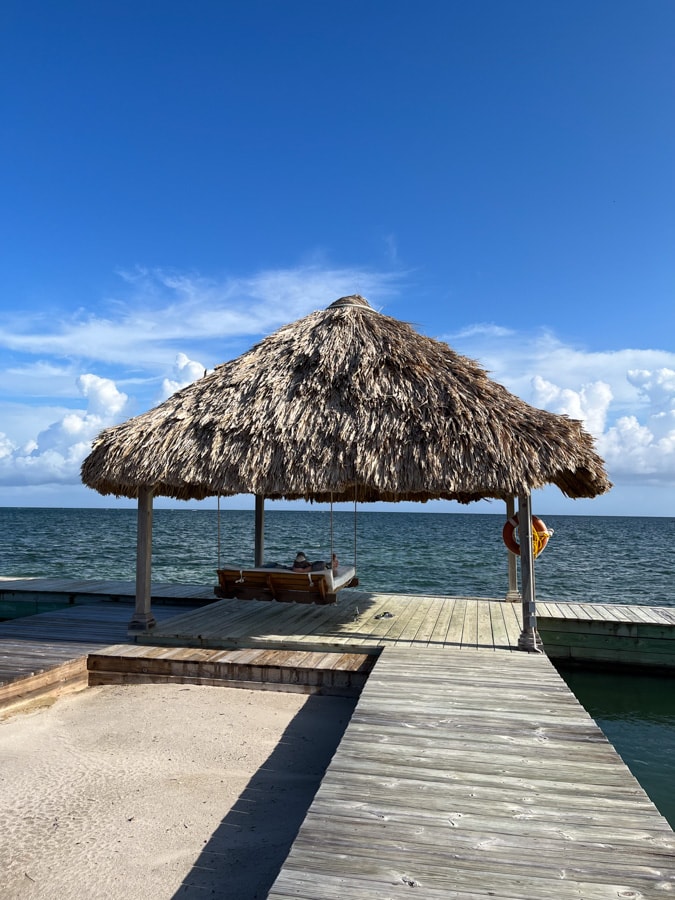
x: 465, y: 779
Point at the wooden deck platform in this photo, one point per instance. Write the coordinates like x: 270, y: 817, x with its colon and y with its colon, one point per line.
x: 361, y: 623
x: 47, y: 653
x: 588, y: 633
x: 27, y: 596
x: 463, y: 778
x: 53, y: 653
x: 603, y: 633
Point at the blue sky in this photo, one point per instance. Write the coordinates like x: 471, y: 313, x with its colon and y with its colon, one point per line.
x: 179, y: 179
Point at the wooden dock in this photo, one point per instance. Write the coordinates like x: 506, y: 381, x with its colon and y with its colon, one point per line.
x: 468, y: 770
x: 53, y: 653
x: 587, y: 633
x: 603, y: 633
x: 46, y: 654
x: 463, y: 777
x: 27, y: 596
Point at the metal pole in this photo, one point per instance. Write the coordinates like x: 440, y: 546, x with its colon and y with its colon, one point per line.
x: 143, y: 619
x: 529, y: 638
x: 332, y: 549
x: 218, y: 530
x: 259, y: 529
x: 513, y: 594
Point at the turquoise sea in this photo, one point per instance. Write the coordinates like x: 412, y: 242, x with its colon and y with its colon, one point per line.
x: 595, y: 558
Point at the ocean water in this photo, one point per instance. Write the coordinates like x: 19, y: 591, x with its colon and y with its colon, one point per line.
x: 594, y: 558
x: 598, y: 558
x: 637, y: 714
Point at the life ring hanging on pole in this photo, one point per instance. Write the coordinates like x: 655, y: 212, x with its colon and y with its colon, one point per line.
x: 540, y: 535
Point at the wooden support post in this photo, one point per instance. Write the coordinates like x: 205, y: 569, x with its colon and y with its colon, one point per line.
x: 143, y: 619
x: 259, y: 529
x: 529, y: 638
x: 513, y: 594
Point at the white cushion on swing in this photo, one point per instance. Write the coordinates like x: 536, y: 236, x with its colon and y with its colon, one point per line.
x: 342, y: 576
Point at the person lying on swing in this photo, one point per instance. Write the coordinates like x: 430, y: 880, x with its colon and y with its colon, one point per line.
x: 301, y: 563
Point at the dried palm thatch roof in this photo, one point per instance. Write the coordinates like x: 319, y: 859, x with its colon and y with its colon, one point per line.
x: 346, y: 400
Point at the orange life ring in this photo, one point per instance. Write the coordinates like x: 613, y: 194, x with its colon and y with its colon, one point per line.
x: 540, y: 535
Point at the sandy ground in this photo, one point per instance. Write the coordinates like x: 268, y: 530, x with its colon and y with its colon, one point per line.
x: 156, y: 791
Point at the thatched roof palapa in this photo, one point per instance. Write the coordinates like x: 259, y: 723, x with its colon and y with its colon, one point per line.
x: 346, y: 400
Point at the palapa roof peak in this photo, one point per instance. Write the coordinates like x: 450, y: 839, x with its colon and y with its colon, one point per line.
x: 351, y: 300
x: 346, y: 402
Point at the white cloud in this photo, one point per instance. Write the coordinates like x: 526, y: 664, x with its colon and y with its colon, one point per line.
x: 625, y: 398
x: 516, y: 358
x: 161, y: 309
x: 481, y: 330
x: 57, y: 452
x: 185, y: 371
x: 6, y: 446
x: 656, y: 388
x: 590, y: 402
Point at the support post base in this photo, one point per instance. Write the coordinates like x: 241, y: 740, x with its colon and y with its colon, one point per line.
x: 513, y: 596
x: 530, y: 641
x: 141, y: 622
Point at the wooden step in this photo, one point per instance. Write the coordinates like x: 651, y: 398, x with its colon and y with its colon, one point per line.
x: 50, y: 683
x: 336, y: 674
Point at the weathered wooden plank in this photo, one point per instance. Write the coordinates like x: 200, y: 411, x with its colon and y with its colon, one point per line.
x: 328, y: 673
x: 633, y: 812
x: 470, y: 630
x: 421, y: 622
x: 456, y: 627
x: 55, y: 681
x: 438, y: 636
x: 513, y: 620
x: 428, y: 626
x: 484, y: 636
x: 500, y: 634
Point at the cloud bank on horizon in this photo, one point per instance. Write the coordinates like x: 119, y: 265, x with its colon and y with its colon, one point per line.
x: 69, y: 376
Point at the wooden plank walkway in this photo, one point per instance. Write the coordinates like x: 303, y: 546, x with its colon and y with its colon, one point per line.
x: 361, y: 623
x: 162, y: 591
x: 108, y: 589
x: 466, y: 778
x: 33, y: 643
x: 590, y: 633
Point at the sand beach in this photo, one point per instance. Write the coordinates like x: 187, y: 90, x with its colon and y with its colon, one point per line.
x: 156, y: 791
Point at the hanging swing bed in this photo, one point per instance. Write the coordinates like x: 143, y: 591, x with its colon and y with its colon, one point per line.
x: 303, y: 582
